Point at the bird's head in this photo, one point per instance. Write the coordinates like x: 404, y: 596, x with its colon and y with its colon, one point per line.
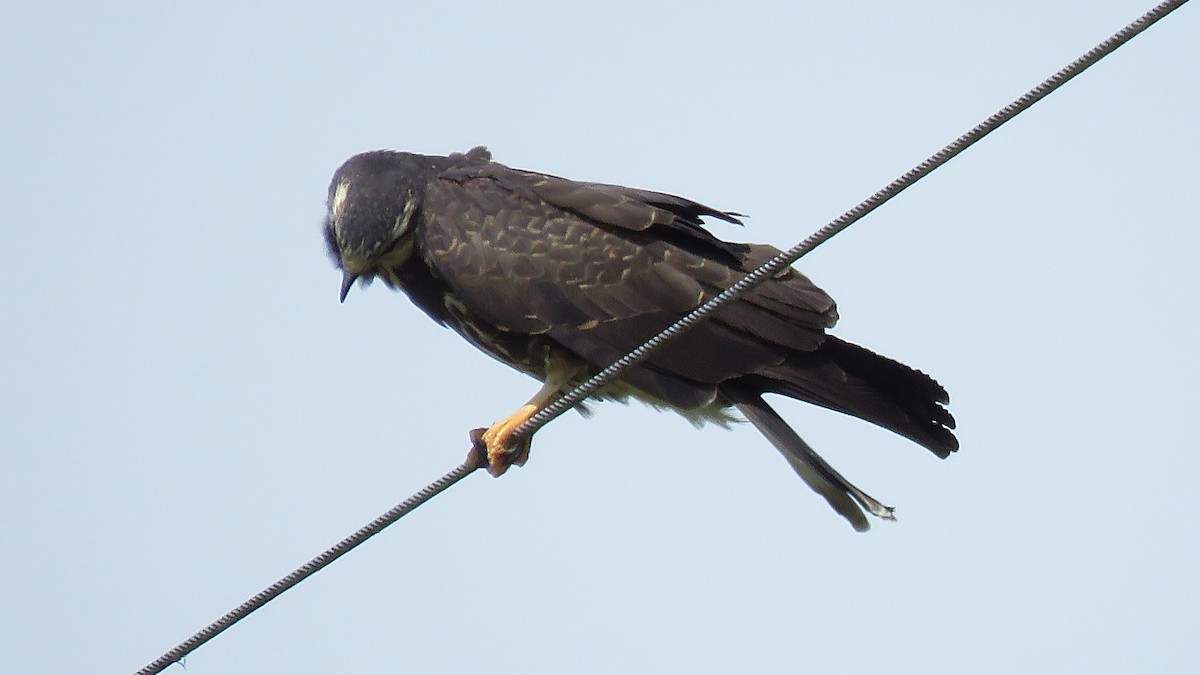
x: 371, y: 206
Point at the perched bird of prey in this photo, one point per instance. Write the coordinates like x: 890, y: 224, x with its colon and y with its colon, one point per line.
x: 559, y: 278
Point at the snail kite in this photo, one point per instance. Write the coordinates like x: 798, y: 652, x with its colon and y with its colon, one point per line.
x: 559, y: 278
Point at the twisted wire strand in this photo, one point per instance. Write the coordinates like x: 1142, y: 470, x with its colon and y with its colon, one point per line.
x: 308, y: 569
x: 577, y: 395
x: 783, y: 260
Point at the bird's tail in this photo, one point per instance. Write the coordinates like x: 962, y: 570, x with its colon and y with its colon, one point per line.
x: 856, y: 381
x: 841, y: 494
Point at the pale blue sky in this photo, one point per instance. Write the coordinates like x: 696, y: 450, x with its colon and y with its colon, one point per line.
x: 187, y: 413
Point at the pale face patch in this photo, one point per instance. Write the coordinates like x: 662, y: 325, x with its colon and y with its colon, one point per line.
x: 405, y: 218
x: 339, y: 199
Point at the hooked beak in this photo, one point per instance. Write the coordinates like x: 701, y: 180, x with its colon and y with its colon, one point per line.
x: 348, y: 280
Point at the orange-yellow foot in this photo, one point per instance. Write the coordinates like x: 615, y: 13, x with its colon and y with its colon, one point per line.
x: 497, y: 440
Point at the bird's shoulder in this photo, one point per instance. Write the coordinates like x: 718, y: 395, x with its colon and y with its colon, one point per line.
x: 535, y: 250
x: 603, y: 205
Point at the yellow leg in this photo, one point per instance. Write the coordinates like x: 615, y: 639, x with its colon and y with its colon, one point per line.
x: 498, y: 436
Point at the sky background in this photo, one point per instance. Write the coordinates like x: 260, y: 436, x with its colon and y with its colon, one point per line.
x: 187, y: 413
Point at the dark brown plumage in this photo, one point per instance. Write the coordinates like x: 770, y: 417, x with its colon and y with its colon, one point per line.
x: 560, y: 278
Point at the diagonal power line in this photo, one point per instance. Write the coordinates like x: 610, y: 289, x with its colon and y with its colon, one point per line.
x: 786, y: 258
x: 610, y: 373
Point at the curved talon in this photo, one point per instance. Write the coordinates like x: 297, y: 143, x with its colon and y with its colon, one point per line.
x: 477, y: 455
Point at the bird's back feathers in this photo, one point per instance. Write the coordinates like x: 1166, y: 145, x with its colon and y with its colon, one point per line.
x: 521, y: 262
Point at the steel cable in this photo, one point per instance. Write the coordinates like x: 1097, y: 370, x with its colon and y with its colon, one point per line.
x: 783, y: 260
x: 308, y: 569
x: 735, y: 291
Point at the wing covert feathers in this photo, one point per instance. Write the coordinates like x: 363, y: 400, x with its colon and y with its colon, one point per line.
x: 600, y: 268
